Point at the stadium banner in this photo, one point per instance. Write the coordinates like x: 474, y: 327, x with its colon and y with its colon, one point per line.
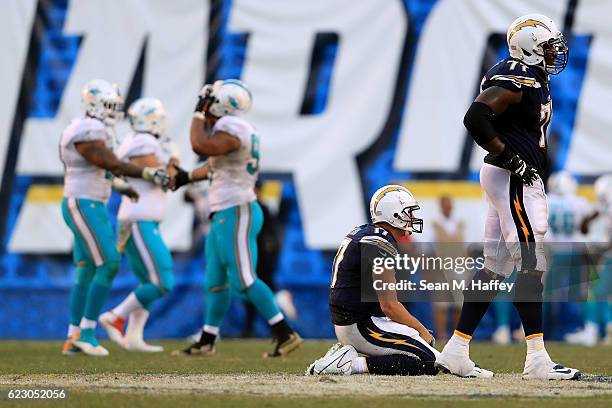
x: 348, y: 96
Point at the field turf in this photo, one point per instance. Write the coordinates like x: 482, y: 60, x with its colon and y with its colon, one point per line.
x: 238, y: 376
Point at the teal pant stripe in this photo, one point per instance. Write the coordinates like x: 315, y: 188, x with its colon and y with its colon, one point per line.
x: 146, y: 256
x: 231, y: 247
x: 242, y: 246
x: 149, y: 256
x: 94, y: 239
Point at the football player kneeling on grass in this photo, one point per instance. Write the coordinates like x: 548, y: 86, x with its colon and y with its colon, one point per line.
x: 391, y: 340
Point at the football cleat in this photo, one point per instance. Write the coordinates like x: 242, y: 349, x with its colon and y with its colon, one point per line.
x: 70, y: 349
x: 502, y: 335
x: 114, y: 326
x: 586, y: 337
x: 539, y: 366
x: 196, y: 349
x: 87, y: 343
x: 285, y: 346
x: 132, y: 344
x: 337, y: 361
x: 134, y: 333
x: 459, y: 364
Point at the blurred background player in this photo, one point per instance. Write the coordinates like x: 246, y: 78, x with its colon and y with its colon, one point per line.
x: 393, y: 341
x: 598, y: 308
x: 268, y: 249
x: 509, y: 119
x: 230, y: 142
x: 566, y: 212
x: 448, y: 241
x: 139, y: 235
x: 89, y: 166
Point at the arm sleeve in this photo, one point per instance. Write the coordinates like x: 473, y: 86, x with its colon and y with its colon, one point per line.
x: 479, y: 122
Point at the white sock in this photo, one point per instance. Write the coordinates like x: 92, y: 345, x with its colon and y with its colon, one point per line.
x: 72, y: 330
x: 591, y: 328
x: 459, y: 341
x: 359, y: 365
x: 276, y: 318
x: 129, y: 304
x: 214, y: 330
x: 88, y: 324
x: 535, y: 343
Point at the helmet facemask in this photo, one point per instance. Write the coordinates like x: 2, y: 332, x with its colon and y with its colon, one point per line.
x: 113, y: 110
x: 411, y: 224
x: 555, y: 54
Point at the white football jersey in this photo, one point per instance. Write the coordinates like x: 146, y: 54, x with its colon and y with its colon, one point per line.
x: 565, y: 214
x: 604, y: 207
x: 152, y: 202
x: 81, y: 178
x: 233, y: 176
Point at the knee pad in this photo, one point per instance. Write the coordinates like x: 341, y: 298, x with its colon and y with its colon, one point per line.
x: 106, y: 273
x: 85, y: 273
x: 529, y: 287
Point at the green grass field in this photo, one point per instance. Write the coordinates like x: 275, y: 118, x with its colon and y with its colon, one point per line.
x: 237, y: 375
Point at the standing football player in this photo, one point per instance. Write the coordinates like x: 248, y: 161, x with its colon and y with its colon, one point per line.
x: 89, y: 166
x: 230, y: 142
x: 393, y: 341
x: 139, y: 235
x: 509, y: 119
x: 598, y: 308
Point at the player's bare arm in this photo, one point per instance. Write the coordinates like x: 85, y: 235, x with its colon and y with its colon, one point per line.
x: 204, y: 144
x: 148, y: 160
x: 101, y: 156
x: 395, y: 311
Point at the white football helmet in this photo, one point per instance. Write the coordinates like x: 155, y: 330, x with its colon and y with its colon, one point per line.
x: 603, y: 188
x: 396, y: 205
x: 562, y: 183
x: 148, y: 115
x: 230, y: 97
x: 102, y: 100
x: 534, y: 38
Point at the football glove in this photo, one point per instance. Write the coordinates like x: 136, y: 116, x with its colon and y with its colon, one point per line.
x: 205, y: 97
x: 181, y: 178
x: 157, y: 176
x: 517, y: 166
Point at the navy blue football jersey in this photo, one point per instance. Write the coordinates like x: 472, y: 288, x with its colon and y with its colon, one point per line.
x: 522, y: 126
x: 351, y: 294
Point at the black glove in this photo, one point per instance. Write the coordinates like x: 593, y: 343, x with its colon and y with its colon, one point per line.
x: 514, y: 163
x: 205, y: 97
x: 181, y: 178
